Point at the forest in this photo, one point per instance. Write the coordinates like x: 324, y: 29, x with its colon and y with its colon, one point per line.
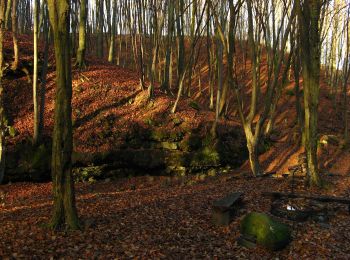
x: 174, y: 129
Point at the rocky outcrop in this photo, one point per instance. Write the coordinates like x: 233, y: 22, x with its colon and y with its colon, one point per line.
x: 152, y: 150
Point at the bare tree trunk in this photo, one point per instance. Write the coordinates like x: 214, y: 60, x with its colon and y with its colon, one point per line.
x: 309, y: 16
x: 14, y: 35
x: 36, y: 136
x: 65, y: 211
x: 111, y: 55
x: 209, y: 57
x: 180, y: 38
x: 298, y: 95
x: 7, y: 14
x: 346, y: 69
x: 100, y: 21
x: 46, y: 32
x: 2, y: 113
x: 165, y: 85
x: 80, y: 62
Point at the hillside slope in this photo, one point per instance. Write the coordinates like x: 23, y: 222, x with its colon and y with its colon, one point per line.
x: 109, y: 108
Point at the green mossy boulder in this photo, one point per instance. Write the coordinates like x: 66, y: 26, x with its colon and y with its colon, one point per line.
x: 268, y: 232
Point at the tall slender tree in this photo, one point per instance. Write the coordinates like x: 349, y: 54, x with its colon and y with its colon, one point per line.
x: 111, y: 55
x: 7, y: 14
x: 35, y: 72
x: 80, y: 62
x: 65, y: 211
x: 99, y: 27
x: 14, y: 35
x: 309, y: 12
x: 46, y: 31
x: 346, y: 75
x: 2, y: 110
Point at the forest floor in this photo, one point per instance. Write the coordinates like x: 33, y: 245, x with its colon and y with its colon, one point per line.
x: 161, y: 217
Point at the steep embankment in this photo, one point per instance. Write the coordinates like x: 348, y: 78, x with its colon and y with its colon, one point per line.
x: 115, y: 122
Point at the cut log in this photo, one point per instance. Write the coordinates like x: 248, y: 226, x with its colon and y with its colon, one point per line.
x: 278, y: 195
x: 224, y: 209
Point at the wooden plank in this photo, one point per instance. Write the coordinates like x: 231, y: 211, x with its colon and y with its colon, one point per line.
x: 222, y: 218
x: 225, y: 209
x: 228, y: 201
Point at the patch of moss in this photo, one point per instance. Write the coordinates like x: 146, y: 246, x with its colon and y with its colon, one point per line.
x: 148, y: 121
x: 208, y: 156
x: 177, y: 121
x: 194, y: 105
x: 268, y: 232
x: 191, y: 142
x: 12, y: 131
x: 87, y: 174
x: 158, y: 135
x: 176, y: 136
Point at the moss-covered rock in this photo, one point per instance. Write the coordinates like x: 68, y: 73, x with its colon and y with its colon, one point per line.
x: 88, y: 174
x: 169, y: 145
x: 176, y: 136
x: 158, y: 135
x: 191, y: 142
x: 208, y: 156
x: 268, y: 232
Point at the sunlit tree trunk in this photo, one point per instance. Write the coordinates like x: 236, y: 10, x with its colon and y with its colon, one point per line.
x: 192, y: 37
x: 194, y: 41
x: 80, y: 62
x: 140, y: 43
x: 7, y: 14
x: 180, y: 38
x: 14, y: 35
x: 298, y: 93
x: 209, y: 57
x: 346, y: 72
x: 36, y: 136
x: 252, y: 129
x: 309, y: 19
x: 2, y: 110
x: 65, y: 211
x: 166, y: 81
x: 111, y: 55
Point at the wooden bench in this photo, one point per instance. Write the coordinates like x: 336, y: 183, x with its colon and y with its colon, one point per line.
x: 278, y: 195
x: 224, y: 209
